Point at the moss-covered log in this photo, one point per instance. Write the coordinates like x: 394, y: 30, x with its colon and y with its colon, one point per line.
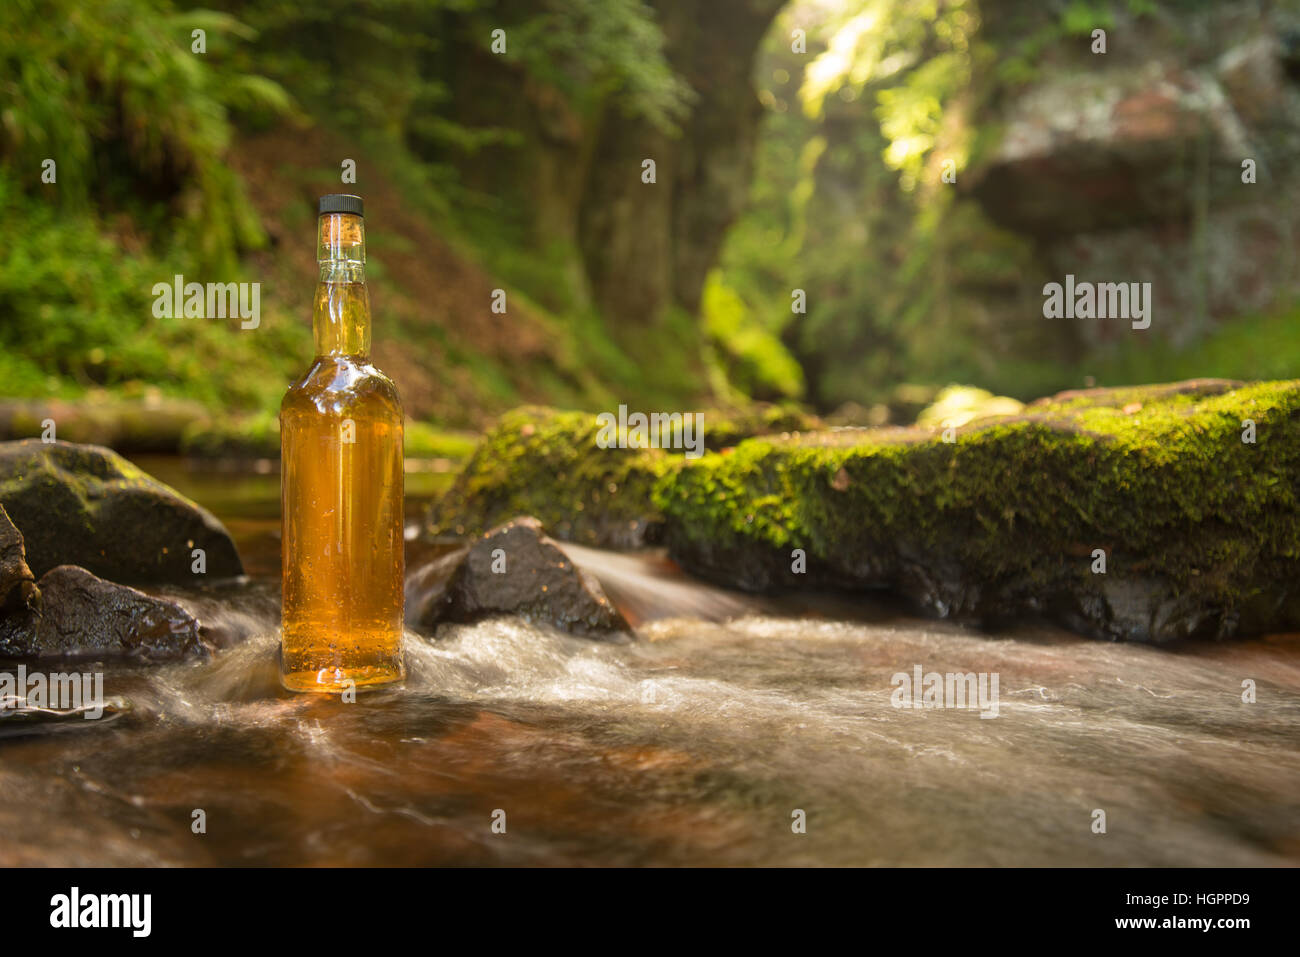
x: 1187, y: 492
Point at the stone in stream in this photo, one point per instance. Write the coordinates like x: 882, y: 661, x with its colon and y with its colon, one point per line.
x: 85, y: 505
x: 514, y: 569
x: 82, y: 615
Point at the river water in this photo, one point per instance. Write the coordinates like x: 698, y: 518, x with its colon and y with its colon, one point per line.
x: 733, y: 731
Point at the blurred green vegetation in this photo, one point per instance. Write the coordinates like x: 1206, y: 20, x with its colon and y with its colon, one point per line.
x: 112, y: 90
x: 845, y: 199
x: 844, y: 206
x: 908, y: 281
x: 143, y: 132
x: 141, y: 192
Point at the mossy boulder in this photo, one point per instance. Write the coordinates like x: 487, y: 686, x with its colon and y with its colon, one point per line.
x: 85, y: 505
x: 1190, y: 492
x: 548, y: 464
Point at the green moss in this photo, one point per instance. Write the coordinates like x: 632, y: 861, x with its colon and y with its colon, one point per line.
x: 723, y: 429
x: 1158, y: 477
x: 1201, y: 529
x: 547, y: 464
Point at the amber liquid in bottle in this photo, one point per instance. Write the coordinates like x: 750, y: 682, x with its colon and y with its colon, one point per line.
x: 341, y: 490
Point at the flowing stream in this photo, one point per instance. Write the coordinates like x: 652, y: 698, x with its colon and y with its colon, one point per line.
x: 705, y: 741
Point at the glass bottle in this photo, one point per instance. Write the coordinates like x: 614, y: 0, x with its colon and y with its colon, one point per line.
x: 341, y: 485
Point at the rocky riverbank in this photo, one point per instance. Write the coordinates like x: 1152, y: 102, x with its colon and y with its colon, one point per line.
x: 1146, y: 514
x: 1149, y: 514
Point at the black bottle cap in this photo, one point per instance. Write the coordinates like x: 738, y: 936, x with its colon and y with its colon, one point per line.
x: 341, y: 203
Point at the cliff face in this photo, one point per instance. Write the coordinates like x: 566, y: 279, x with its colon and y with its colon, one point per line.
x: 575, y: 173
x: 649, y: 247
x: 1133, y: 164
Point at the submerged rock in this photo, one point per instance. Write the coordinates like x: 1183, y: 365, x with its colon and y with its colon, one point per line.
x: 514, y: 569
x: 1145, y: 514
x: 85, y: 505
x: 82, y: 615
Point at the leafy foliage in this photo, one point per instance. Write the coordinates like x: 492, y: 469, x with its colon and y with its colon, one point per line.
x: 79, y: 314
x: 142, y: 127
x: 591, y: 49
x: 112, y: 93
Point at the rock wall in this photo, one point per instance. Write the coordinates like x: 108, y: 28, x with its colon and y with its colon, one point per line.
x: 1128, y: 165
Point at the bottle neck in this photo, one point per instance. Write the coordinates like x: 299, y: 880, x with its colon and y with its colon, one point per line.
x: 341, y: 317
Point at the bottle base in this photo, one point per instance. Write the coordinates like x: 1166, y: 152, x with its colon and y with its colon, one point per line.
x: 338, y: 680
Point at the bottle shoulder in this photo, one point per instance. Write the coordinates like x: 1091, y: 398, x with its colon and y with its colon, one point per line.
x: 338, y: 383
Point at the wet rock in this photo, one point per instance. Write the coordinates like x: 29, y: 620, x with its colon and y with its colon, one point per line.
x: 82, y: 615
x: 85, y: 505
x: 18, y: 591
x: 514, y: 569
x: 428, y: 588
x: 1152, y: 137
